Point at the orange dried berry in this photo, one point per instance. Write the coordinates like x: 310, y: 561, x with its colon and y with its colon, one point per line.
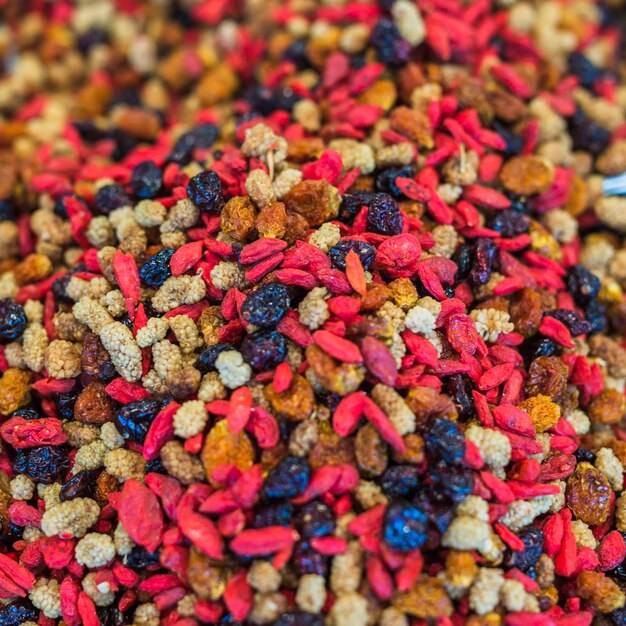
x: 238, y: 217
x: 218, y: 84
x: 461, y: 568
x: 341, y: 378
x: 375, y: 297
x: 93, y: 405
x: 578, y: 197
x: 105, y: 485
x: 427, y: 599
x: 412, y: 124
x: 602, y: 593
x: 295, y: 404
x: 382, y: 93
x: 526, y: 311
x: 607, y: 407
x: 490, y: 619
x: 307, y: 149
x: 371, y: 451
x: 315, y: 200
x: 505, y: 105
x: 140, y: 123
x: 427, y: 402
x: 296, y: 228
x: 543, y: 412
x: 527, y: 174
x: 403, y: 293
x: 331, y: 449
x: 222, y: 447
x: 206, y: 577
x: 547, y: 375
x: 33, y: 268
x: 14, y: 390
x: 414, y: 452
x: 588, y: 494
x: 272, y: 221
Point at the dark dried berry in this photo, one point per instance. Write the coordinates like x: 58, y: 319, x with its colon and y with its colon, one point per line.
x: 12, y: 320
x: 266, y: 305
x: 455, y: 481
x: 583, y: 68
x: 383, y: 215
x: 59, y: 286
x: 134, y: 418
x: 111, y: 197
x: 365, y: 251
x: 584, y: 455
x: 582, y: 284
x: 299, y: 618
x: 28, y: 413
x: 81, y: 485
x: 400, y: 480
x: 205, y: 191
x: 484, y: 255
x: 206, y: 361
x: 156, y: 270
x: 595, y: 313
x: 7, y: 212
x: 533, y: 544
x: 388, y: 43
x: 618, y: 617
x: 352, y: 203
x: 574, y: 322
x: 274, y: 514
x: 315, y: 519
x: 65, y: 404
x: 459, y: 388
x: 510, y: 223
x: 445, y: 440
x: 264, y: 350
x: 140, y: 558
x: 288, y: 479
x: 463, y: 258
x: 44, y: 464
x: 404, y: 526
x: 538, y: 346
x: 386, y: 180
x: 17, y: 613
x: 155, y: 466
x: 436, y: 506
x: 587, y: 135
x: 514, y: 143
x: 201, y: 137
x: 306, y: 560
x: 146, y: 180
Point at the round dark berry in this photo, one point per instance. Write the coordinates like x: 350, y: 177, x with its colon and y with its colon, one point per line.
x: 12, y: 320
x: 205, y: 191
x: 587, y: 135
x: 533, y: 545
x: 146, y: 179
x: 264, y: 349
x: 595, y: 313
x: 386, y: 179
x: 510, y: 223
x: 404, y: 526
x: 436, y: 506
x: 514, y: 143
x: 299, y: 618
x: 306, y: 560
x: 17, y: 613
x: 46, y: 464
x: 201, y: 137
x: 582, y: 284
x: 139, y: 558
x: 273, y: 514
x: 7, y: 212
x: 484, y: 256
x: 463, y: 259
x: 27, y: 412
x: 399, y: 480
x: 574, y: 322
x: 315, y: 519
x: 288, y: 479
x: 445, y: 440
x: 111, y: 197
x: 206, y: 361
x: 65, y: 404
x: 388, y: 43
x: 365, y: 251
x: 383, y: 215
x: 454, y: 481
x: 352, y: 203
x: 134, y: 418
x: 266, y: 305
x: 81, y: 485
x: 583, y: 68
x: 156, y: 270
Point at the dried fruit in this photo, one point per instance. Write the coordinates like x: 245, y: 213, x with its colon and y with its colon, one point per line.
x: 93, y: 405
x: 222, y: 448
x: 527, y: 175
x: 588, y: 494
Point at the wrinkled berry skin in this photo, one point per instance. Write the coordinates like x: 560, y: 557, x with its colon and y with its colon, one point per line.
x: 404, y: 526
x: 352, y: 203
x: 484, y: 255
x: 146, y: 180
x: 306, y: 560
x: 459, y: 388
x: 44, y: 464
x: 265, y: 306
x: 111, y: 197
x: 514, y: 143
x: 445, y: 440
x: 463, y: 258
x: 315, y: 519
x: 389, y: 45
x: 28, y: 413
x: 456, y: 482
x: 299, y: 618
x: 574, y: 322
x: 400, y: 480
x: 533, y: 544
x: 584, y: 454
x: 365, y: 251
x: 264, y: 350
x: 538, y: 346
x: 65, y: 405
x: 140, y: 558
x: 205, y: 191
x: 288, y: 479
x: 582, y: 284
x: 436, y: 506
x: 81, y: 485
x: 156, y: 270
x: 273, y: 514
x: 383, y: 215
x: 206, y: 361
x: 201, y: 137
x: 134, y: 418
x: 595, y: 312
x: 17, y: 613
x: 386, y: 180
x: 12, y: 320
x: 510, y: 223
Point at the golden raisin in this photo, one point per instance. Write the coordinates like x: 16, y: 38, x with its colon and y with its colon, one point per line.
x: 578, y: 197
x: 93, y: 405
x: 206, y: 577
x: 138, y: 122
x: 382, y: 93
x: 461, y: 569
x: 296, y: 228
x: 331, y: 449
x: 341, y: 378
x: 371, y: 451
x: 588, y: 494
x: 412, y: 124
x: 14, y: 390
x: 505, y: 105
x: 221, y: 447
x: 301, y: 150
x: 427, y: 402
x: 403, y: 293
x: 238, y: 216
x: 527, y: 174
x: 272, y: 221
x: 295, y: 404
x: 375, y: 297
x: 33, y: 268
x: 600, y: 591
x: 526, y: 311
x: 543, y: 412
x: 209, y: 323
x: 427, y: 599
x: 217, y: 85
x: 547, y: 375
x: 315, y: 200
x: 607, y: 407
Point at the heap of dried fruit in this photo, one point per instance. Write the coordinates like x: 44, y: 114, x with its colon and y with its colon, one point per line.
x: 312, y: 313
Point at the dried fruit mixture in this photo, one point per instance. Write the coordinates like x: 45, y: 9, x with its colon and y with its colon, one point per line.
x: 312, y: 313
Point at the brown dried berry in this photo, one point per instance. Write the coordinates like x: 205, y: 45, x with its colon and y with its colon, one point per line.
x: 427, y: 599
x: 607, y: 407
x: 427, y: 402
x: 315, y: 200
x: 375, y: 297
x: 33, y: 268
x: 600, y: 591
x: 403, y: 293
x: 547, y: 375
x: 331, y: 449
x: 95, y: 359
x: 272, y: 221
x: 588, y: 494
x: 371, y: 451
x: 93, y: 405
x: 341, y: 378
x: 414, y: 452
x: 238, y: 217
x: 105, y: 484
x: 527, y: 175
x: 412, y: 124
x: 296, y: 228
x: 295, y: 404
x: 206, y: 577
x: 14, y: 390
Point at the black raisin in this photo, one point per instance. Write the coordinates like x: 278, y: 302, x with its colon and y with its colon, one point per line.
x: 299, y: 618
x: 140, y: 558
x: 584, y: 455
x: 459, y: 388
x: 17, y: 613
x: 306, y: 560
x: 463, y: 258
x: 595, y: 313
x: 205, y: 191
x: 514, y: 143
x: 315, y: 519
x: 352, y: 203
x: 288, y: 479
x: 574, y: 322
x: 365, y: 251
x: 587, y: 135
x: 111, y: 197
x: 390, y: 47
x: 12, y: 320
x: 386, y: 179
x: 7, y: 212
x: 81, y: 485
x: 266, y: 305
x: 510, y: 223
x: 484, y: 255
x: 206, y: 361
x: 156, y: 270
x: 455, y: 481
x: 583, y: 68
x: 528, y: 557
x: 45, y: 464
x: 445, y: 440
x: 582, y: 284
x: 146, y: 179
x: 201, y: 137
x: 538, y: 346
x: 65, y: 404
x: 134, y: 418
x: 383, y: 215
x: 404, y: 526
x: 264, y: 349
x: 400, y: 480
x: 28, y: 413
x: 274, y: 514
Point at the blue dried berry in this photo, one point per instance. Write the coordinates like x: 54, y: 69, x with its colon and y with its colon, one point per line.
x: 533, y: 545
x: 587, y: 135
x: 17, y: 613
x: 455, y: 481
x: 306, y: 560
x: 146, y: 179
x: 111, y: 197
x: 445, y: 440
x: 205, y: 191
x: 7, y: 212
x: 352, y: 203
x: 538, y: 346
x: 134, y: 418
x: 595, y: 312
x: 315, y: 519
x: 484, y: 256
x: 583, y: 68
x: 400, y: 480
x: 386, y: 179
x: 28, y: 413
x: 65, y: 404
x: 264, y: 350
x: 582, y: 284
x: 206, y: 361
x: 201, y: 137
x: 510, y: 223
x: 274, y: 514
x: 266, y: 305
x: 300, y: 618
x: 388, y: 43
x: 44, y: 464
x: 156, y: 270
x: 12, y: 320
x: 383, y: 215
x: 365, y: 251
x: 574, y: 322
x: 288, y: 479
x: 404, y: 526
x: 140, y: 558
